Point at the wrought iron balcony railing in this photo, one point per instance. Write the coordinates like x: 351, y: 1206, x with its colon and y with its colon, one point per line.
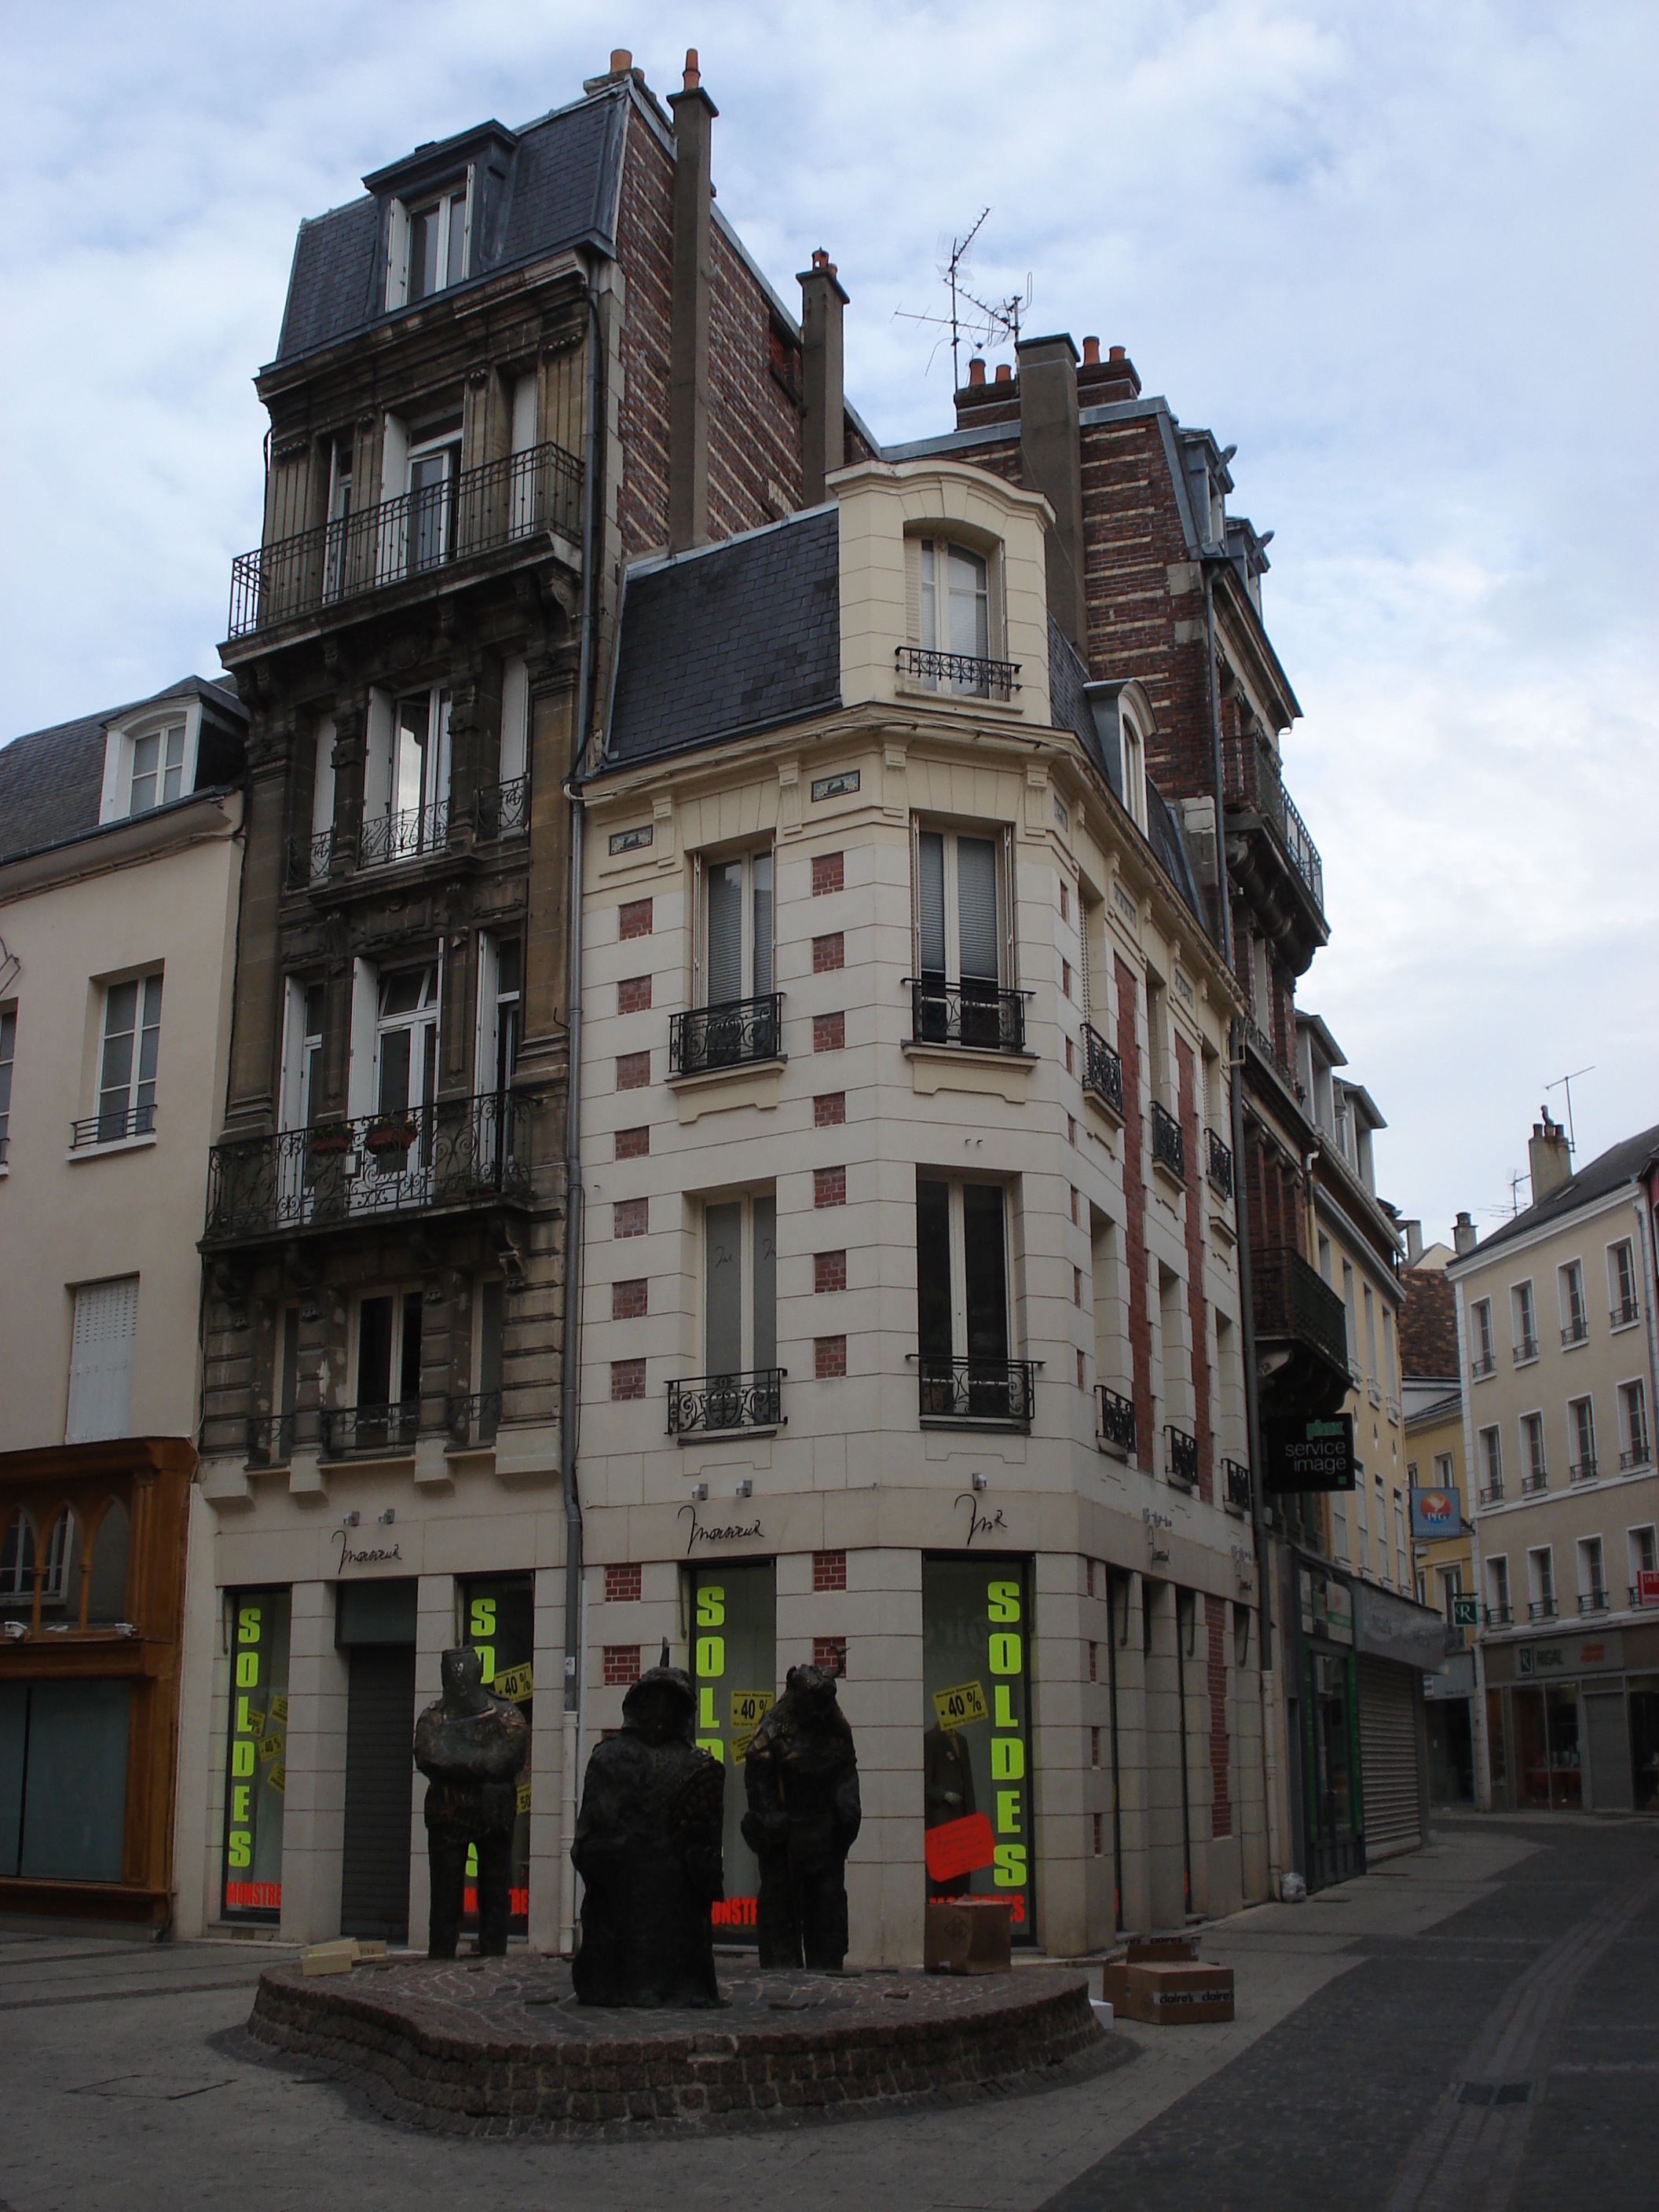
x: 114, y: 1126
x: 1595, y: 1600
x: 404, y: 836
x: 1181, y: 1459
x: 1102, y: 1070
x: 271, y: 1439
x: 727, y: 1036
x: 1252, y: 779
x: 978, y: 1015
x: 1541, y: 1608
x: 1637, y: 1598
x: 1167, y: 1147
x: 523, y: 496
x: 1499, y: 1616
x: 1491, y: 1495
x: 1639, y: 1455
x: 1482, y: 1364
x: 998, y: 1390
x: 1238, y: 1484
x: 720, y: 1402
x: 1218, y: 1165
x: 1577, y: 1330
x: 463, y: 1151
x: 1526, y: 1350
x: 309, y: 859
x: 349, y: 1430
x: 503, y: 808
x: 1625, y: 1313
x: 960, y: 674
x: 1117, y: 1420
x: 1291, y: 1300
x: 1581, y: 1470
x: 473, y: 1418
x: 1537, y: 1481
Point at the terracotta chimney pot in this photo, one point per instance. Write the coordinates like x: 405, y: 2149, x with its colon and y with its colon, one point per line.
x: 976, y: 371
x: 621, y: 61
x: 1090, y: 352
x: 1004, y: 373
x: 693, y: 74
x: 1117, y: 353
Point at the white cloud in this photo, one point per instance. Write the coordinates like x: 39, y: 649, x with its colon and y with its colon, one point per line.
x: 1395, y: 251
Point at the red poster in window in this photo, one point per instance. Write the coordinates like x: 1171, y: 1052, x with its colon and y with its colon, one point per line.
x: 1647, y: 1586
x: 959, y: 1847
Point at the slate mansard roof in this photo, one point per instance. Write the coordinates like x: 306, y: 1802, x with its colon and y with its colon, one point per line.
x: 1621, y: 1164
x: 52, y: 781
x: 729, y: 640
x: 549, y: 187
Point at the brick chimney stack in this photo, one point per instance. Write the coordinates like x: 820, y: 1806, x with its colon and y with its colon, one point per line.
x: 824, y: 414
x: 1465, y: 1235
x: 1051, y: 462
x: 1548, y: 1157
x: 687, y: 364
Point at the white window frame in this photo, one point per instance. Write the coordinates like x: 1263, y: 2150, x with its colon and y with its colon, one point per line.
x: 1618, y: 1276
x: 8, y: 1063
x: 137, y: 1081
x: 753, y: 958
x: 1575, y: 1311
x: 1498, y: 1585
x: 121, y: 742
x: 514, y: 755
x: 1534, y: 1445
x: 746, y: 1201
x: 1643, y: 1538
x: 1633, y: 1398
x: 1491, y: 1442
x: 1523, y: 1319
x: 383, y: 765
x: 1132, y: 767
x: 921, y: 604
x: 401, y: 217
x: 399, y: 1294
x: 1541, y: 1576
x: 488, y: 1077
x: 302, y: 1046
x: 1486, y: 1358
x: 1000, y: 836
x: 955, y: 1186
x: 1592, y: 1568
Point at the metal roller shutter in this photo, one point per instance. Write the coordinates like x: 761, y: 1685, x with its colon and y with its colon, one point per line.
x: 1388, y: 1759
x: 380, y: 1762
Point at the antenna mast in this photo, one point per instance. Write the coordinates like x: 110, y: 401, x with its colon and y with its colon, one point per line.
x: 1565, y: 1083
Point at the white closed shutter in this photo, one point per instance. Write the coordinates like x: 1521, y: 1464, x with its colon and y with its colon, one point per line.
x: 515, y: 717
x: 1388, y: 1759
x: 397, y: 255
x: 377, y: 757
x: 322, y: 787
x: 365, y: 1017
x: 100, y: 1360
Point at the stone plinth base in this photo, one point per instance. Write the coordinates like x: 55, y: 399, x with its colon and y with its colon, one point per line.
x: 500, y: 2046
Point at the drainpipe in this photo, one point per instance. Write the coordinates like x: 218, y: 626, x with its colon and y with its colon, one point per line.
x: 1264, y: 1559
x: 568, y: 1377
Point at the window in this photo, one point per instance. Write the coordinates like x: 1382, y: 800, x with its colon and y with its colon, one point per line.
x: 1532, y: 1439
x: 1633, y: 1405
x: 158, y: 769
x: 302, y: 1053
x: 387, y: 1404
x: 1348, y: 1301
x: 741, y: 1382
x: 1540, y: 1582
x: 737, y: 929
x: 1491, y: 1458
x: 962, y: 952
x: 256, y: 1758
x: 127, y: 1062
x: 1575, y: 1321
x: 339, y: 515
x: 435, y: 464
x: 406, y: 1043
x: 1523, y: 1324
x: 1134, y: 772
x: 1388, y: 1364
x: 955, y: 619
x: 101, y: 1359
x: 501, y: 1012
x: 962, y: 1322
x: 405, y: 776
x: 1401, y: 1553
x: 1621, y: 1284
x: 1581, y: 1437
x: 1498, y: 1591
x: 1592, y: 1575
x: 438, y: 240
x: 1644, y: 1544
x: 1371, y: 1345
x: 8, y: 1051
x: 1380, y: 1530
x: 1485, y: 1359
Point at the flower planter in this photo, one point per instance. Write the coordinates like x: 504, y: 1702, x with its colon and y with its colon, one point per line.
x: 386, y: 1137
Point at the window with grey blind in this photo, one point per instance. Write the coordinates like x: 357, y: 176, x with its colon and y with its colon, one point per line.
x: 956, y: 612
x: 740, y: 1287
x: 958, y: 921
x: 737, y: 929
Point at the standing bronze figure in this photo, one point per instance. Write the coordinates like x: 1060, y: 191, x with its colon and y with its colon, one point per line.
x: 472, y: 1748
x: 648, y: 1849
x: 802, y: 1779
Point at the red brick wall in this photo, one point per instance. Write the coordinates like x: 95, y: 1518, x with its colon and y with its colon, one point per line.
x: 1221, y: 1811
x: 829, y: 1271
x: 829, y: 1032
x: 830, y: 1651
x: 633, y: 1144
x: 634, y: 995
x: 754, y: 423
x: 829, y: 1570
x: 634, y: 918
x: 1197, y: 1310
x: 622, y: 1585
x: 829, y: 1109
x: 828, y: 874
x: 628, y: 1300
x: 629, y: 1218
x: 1135, y: 1206
x: 633, y: 1071
x: 626, y: 1378
x: 828, y: 952
x: 645, y: 249
x: 829, y: 1186
x: 829, y: 1358
x: 622, y: 1665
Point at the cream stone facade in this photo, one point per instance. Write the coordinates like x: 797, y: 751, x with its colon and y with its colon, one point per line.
x: 847, y: 1464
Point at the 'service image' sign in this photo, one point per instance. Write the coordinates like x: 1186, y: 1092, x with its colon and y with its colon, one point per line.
x: 1310, y: 1455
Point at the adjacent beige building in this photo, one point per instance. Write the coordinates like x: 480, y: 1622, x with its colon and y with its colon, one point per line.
x: 1555, y: 1318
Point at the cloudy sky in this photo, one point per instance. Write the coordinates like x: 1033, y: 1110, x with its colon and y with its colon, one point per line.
x: 1400, y: 253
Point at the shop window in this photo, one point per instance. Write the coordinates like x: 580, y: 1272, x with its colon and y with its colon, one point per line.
x: 1332, y: 1745
x: 734, y: 1639
x: 977, y: 1779
x: 496, y: 1615
x: 256, y: 1754
x: 63, y: 1779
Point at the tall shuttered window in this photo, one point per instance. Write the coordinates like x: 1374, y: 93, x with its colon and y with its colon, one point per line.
x: 101, y: 1359
x: 737, y: 929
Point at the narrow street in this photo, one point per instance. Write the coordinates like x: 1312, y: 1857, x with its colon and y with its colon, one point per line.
x: 1471, y: 2026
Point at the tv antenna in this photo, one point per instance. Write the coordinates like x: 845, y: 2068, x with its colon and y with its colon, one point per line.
x: 1565, y: 1083
x: 990, y: 322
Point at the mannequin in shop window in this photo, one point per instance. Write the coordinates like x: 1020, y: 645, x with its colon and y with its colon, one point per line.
x: 947, y: 1795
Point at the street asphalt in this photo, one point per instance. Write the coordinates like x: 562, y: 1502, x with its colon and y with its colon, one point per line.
x: 1471, y: 2028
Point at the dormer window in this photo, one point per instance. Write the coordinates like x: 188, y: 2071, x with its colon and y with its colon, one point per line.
x: 149, y: 760
x: 955, y: 625
x: 158, y: 769
x: 429, y: 243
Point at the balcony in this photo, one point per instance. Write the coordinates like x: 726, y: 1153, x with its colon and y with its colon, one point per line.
x: 958, y: 675
x: 1482, y: 1364
x: 1491, y: 1495
x: 503, y: 810
x: 473, y: 1418
x: 1639, y: 1455
x: 1595, y: 1600
x: 1181, y: 1456
x: 270, y: 1439
x: 1541, y: 1608
x: 1103, y: 1071
x: 1301, y: 1326
x: 1623, y: 1314
x: 1526, y: 1350
x: 459, y: 1152
x: 734, y: 1034
x: 408, y: 835
x: 366, y: 1431
x: 1117, y: 1421
x: 1636, y: 1599
x: 987, y: 1393
x: 1277, y: 862
x: 1577, y: 1331
x: 978, y: 1017
x: 1167, y: 1150
x: 1499, y: 1616
x: 115, y: 1125
x: 1236, y: 1476
x: 1534, y: 1484
x: 1219, y: 1165
x: 1581, y: 1470
x: 421, y: 537
x: 714, y: 1405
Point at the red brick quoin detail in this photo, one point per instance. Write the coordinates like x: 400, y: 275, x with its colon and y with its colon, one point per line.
x: 828, y: 874
x: 634, y: 919
x: 634, y: 995
x: 828, y: 952
x: 1134, y: 1207
x: 829, y: 1186
x: 829, y: 1032
x: 829, y: 1357
x: 628, y: 1218
x: 829, y: 1271
x: 1196, y: 1311
x: 628, y: 1299
x: 622, y: 1585
x: 633, y: 1144
x: 830, y: 1110
x: 627, y: 1378
x: 1215, y: 1619
x: 633, y: 1070
x: 622, y: 1665
x: 830, y: 1651
x: 829, y: 1570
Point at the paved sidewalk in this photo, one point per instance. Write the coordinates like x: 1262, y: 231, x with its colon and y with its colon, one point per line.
x: 129, y: 2083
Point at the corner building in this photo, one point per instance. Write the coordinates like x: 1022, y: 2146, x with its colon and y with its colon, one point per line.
x: 521, y: 358
x: 910, y: 1309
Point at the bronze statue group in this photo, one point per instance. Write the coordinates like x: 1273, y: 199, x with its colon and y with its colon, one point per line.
x: 649, y: 1836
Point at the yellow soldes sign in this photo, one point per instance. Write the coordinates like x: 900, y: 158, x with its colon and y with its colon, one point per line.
x: 256, y: 1774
